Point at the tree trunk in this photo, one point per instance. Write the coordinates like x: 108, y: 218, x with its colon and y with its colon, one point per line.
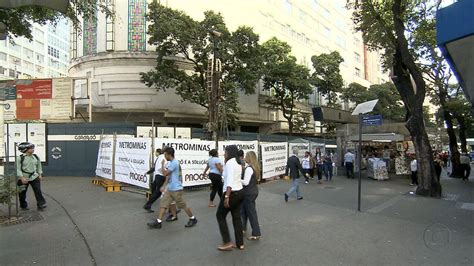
x: 453, y: 145
x: 290, y: 127
x: 462, y: 133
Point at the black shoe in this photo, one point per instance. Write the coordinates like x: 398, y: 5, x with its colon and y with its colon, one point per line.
x: 171, y: 218
x: 42, y: 207
x: 191, y: 223
x: 154, y: 224
x: 25, y: 209
x: 148, y: 209
x: 300, y: 198
x: 286, y: 198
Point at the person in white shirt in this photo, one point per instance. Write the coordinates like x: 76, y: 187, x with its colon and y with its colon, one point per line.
x: 250, y: 181
x: 414, y: 171
x: 158, y: 179
x: 232, y: 200
x: 349, y: 159
x: 306, y: 165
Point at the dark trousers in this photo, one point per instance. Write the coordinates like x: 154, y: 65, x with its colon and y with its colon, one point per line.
x: 155, y: 190
x: 328, y: 171
x: 306, y: 171
x: 216, y: 186
x: 36, y: 186
x: 350, y: 169
x: 466, y: 171
x: 250, y: 212
x: 319, y: 171
x: 414, y: 177
x: 235, y: 202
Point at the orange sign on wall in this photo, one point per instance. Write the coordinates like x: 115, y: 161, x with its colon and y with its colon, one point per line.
x: 35, y: 89
x: 27, y: 109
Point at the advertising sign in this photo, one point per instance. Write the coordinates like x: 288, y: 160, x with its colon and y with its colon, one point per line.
x: 299, y: 148
x: 37, y: 135
x: 192, y: 155
x: 241, y: 145
x: 274, y: 157
x: 132, y: 161
x: 34, y: 89
x: 104, y: 158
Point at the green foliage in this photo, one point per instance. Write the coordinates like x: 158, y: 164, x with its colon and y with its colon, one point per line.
x: 326, y: 76
x: 301, y: 121
x: 289, y: 81
x: 18, y: 21
x: 390, y: 105
x: 184, y: 47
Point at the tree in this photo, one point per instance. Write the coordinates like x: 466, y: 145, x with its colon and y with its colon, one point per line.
x: 289, y: 81
x: 326, y: 76
x: 18, y: 21
x: 388, y: 26
x: 460, y: 108
x: 390, y: 104
x: 184, y: 47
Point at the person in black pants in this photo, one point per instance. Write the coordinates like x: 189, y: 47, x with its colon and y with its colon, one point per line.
x: 232, y: 200
x: 215, y: 166
x: 250, y: 180
x: 158, y: 180
x: 29, y: 173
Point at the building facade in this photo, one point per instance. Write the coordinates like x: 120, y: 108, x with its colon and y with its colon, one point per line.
x: 46, y: 55
x: 112, y: 53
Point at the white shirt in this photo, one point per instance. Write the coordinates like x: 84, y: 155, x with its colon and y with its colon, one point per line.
x: 158, y: 161
x: 349, y: 157
x: 305, y: 163
x: 414, y: 166
x: 247, y: 175
x: 232, y: 175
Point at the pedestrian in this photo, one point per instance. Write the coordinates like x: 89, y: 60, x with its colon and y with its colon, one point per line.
x: 438, y: 164
x: 319, y: 165
x: 349, y: 159
x: 158, y: 179
x: 174, y: 191
x: 414, y: 171
x: 312, y: 165
x: 249, y: 181
x: 294, y: 166
x: 306, y: 165
x: 386, y: 158
x: 465, y: 166
x: 214, y: 165
x: 328, y: 167
x: 29, y: 172
x: 232, y: 200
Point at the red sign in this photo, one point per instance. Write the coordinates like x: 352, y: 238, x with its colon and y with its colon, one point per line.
x: 27, y: 109
x: 37, y: 89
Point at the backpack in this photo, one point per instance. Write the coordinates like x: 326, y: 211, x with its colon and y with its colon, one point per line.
x: 22, y: 158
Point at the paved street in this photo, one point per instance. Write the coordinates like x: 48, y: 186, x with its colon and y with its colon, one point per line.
x: 394, y: 228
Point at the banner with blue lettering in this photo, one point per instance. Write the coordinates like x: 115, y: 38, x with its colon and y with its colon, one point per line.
x: 192, y: 155
x: 241, y: 145
x: 132, y: 157
x: 274, y: 157
x: 104, y: 158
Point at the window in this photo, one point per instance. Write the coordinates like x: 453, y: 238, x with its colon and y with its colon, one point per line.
x: 53, y: 52
x: 357, y: 57
x: 137, y: 25
x: 28, y: 53
x: 357, y: 72
x: 3, y: 56
x: 326, y: 13
x: 314, y: 4
x: 39, y: 45
x: 302, y: 15
x: 288, y: 6
x: 340, y: 41
x: 15, y: 60
x: 11, y: 73
x: 326, y: 32
x: 39, y: 59
x: 15, y: 47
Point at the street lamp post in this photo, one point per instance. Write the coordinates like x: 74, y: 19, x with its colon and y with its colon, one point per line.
x: 215, y: 93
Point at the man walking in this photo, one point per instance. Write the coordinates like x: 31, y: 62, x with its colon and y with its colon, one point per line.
x: 465, y: 166
x: 158, y: 180
x: 174, y: 191
x: 294, y: 166
x: 349, y: 163
x: 29, y: 173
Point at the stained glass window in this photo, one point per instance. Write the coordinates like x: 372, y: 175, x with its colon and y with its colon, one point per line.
x: 137, y: 25
x: 90, y: 35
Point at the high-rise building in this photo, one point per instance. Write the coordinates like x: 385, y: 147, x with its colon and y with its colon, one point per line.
x: 112, y: 53
x: 46, y: 55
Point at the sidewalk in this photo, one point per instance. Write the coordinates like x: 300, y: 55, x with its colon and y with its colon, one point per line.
x: 394, y: 227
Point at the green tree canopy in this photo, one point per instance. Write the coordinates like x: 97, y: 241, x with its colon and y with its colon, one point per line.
x: 18, y: 21
x: 326, y: 76
x: 288, y: 81
x: 184, y: 47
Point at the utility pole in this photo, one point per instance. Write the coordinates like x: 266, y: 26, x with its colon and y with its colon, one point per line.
x: 214, y: 91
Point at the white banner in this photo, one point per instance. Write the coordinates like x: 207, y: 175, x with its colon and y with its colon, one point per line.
x: 241, y: 145
x: 274, y: 157
x: 16, y: 134
x: 132, y: 161
x: 37, y: 136
x: 104, y: 158
x: 192, y: 155
x: 299, y: 148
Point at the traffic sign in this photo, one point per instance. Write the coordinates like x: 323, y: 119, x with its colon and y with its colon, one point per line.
x: 372, y: 120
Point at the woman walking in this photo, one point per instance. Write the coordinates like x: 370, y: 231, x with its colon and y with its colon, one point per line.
x: 215, y: 166
x: 232, y: 200
x: 250, y: 179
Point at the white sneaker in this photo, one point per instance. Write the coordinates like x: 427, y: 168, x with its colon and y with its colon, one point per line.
x: 306, y: 182
x: 411, y: 184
